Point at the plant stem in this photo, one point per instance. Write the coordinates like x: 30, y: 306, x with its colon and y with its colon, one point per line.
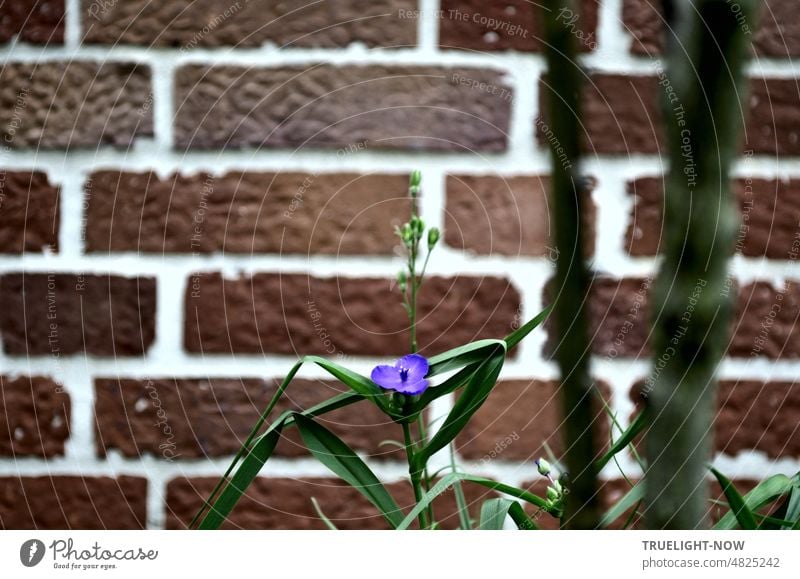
x: 572, y: 277
x: 414, y: 473
x: 704, y: 89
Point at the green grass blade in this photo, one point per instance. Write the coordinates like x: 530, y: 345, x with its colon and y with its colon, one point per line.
x: 793, y: 508
x: 450, y: 385
x: 627, y: 437
x: 494, y: 512
x: 471, y: 399
x: 250, y: 466
x: 520, y: 333
x: 445, y: 483
x: 630, y: 499
x: 344, y: 463
x: 474, y: 352
x: 736, y: 502
x: 323, y: 516
x: 765, y: 493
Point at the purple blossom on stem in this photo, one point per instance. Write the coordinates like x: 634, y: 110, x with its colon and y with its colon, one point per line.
x: 407, y: 376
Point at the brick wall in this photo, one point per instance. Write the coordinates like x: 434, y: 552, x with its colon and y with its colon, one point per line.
x: 196, y: 191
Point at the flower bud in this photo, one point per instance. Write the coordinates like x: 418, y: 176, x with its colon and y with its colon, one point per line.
x: 401, y: 280
x: 552, y: 494
x: 416, y: 179
x: 407, y: 234
x: 433, y: 237
x: 543, y: 466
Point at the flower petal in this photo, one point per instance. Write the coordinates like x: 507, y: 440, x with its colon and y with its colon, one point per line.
x: 413, y: 388
x: 387, y: 377
x: 416, y: 365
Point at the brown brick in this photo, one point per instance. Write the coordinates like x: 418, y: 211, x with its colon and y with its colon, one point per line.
x: 282, y: 503
x: 34, y: 416
x: 770, y: 214
x: 777, y: 34
x: 518, y: 420
x: 622, y: 115
x: 324, y: 106
x: 188, y: 24
x: 245, y: 213
x: 74, y: 104
x: 619, y: 317
x: 298, y: 314
x: 509, y: 25
x: 753, y: 415
x: 34, y: 21
x: 194, y: 418
x: 59, y: 314
x: 29, y: 212
x: 766, y: 321
x: 73, y: 502
x: 491, y: 215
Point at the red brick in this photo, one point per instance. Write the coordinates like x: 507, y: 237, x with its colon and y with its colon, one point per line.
x: 777, y: 34
x: 34, y: 416
x: 297, y: 314
x: 34, y: 21
x: 53, y: 105
x: 29, y: 212
x: 491, y: 215
x: 194, y: 418
x: 753, y: 415
x: 283, y: 503
x: 59, y: 314
x: 73, y: 502
x: 324, y: 106
x: 622, y: 115
x: 510, y: 25
x: 245, y: 212
x: 519, y: 420
x: 189, y: 24
x: 769, y: 213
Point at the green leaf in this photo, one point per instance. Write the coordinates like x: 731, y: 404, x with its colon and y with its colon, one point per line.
x: 494, y: 512
x: 323, y: 516
x: 762, y: 495
x: 624, y: 440
x: 251, y: 464
x: 343, y: 462
x: 471, y: 399
x: 520, y: 333
x: 740, y: 510
x: 356, y: 382
x: 630, y: 499
x: 471, y: 353
x: 793, y: 508
x: 445, y: 483
x: 242, y: 456
x: 451, y: 384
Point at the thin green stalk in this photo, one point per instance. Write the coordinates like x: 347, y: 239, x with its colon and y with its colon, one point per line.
x: 702, y: 101
x: 414, y: 474
x: 582, y: 508
x: 461, y: 501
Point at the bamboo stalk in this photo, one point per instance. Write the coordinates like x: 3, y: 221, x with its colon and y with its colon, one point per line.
x: 572, y: 277
x: 703, y: 90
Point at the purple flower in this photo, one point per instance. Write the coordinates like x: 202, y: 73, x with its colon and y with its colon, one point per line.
x: 407, y: 376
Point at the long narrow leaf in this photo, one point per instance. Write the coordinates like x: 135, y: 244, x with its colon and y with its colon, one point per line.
x: 766, y: 492
x: 445, y: 483
x: 624, y: 440
x: 471, y: 399
x: 462, y: 356
x: 520, y: 333
x: 630, y: 499
x: 343, y: 462
x: 494, y: 512
x: 736, y: 503
x: 451, y: 384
